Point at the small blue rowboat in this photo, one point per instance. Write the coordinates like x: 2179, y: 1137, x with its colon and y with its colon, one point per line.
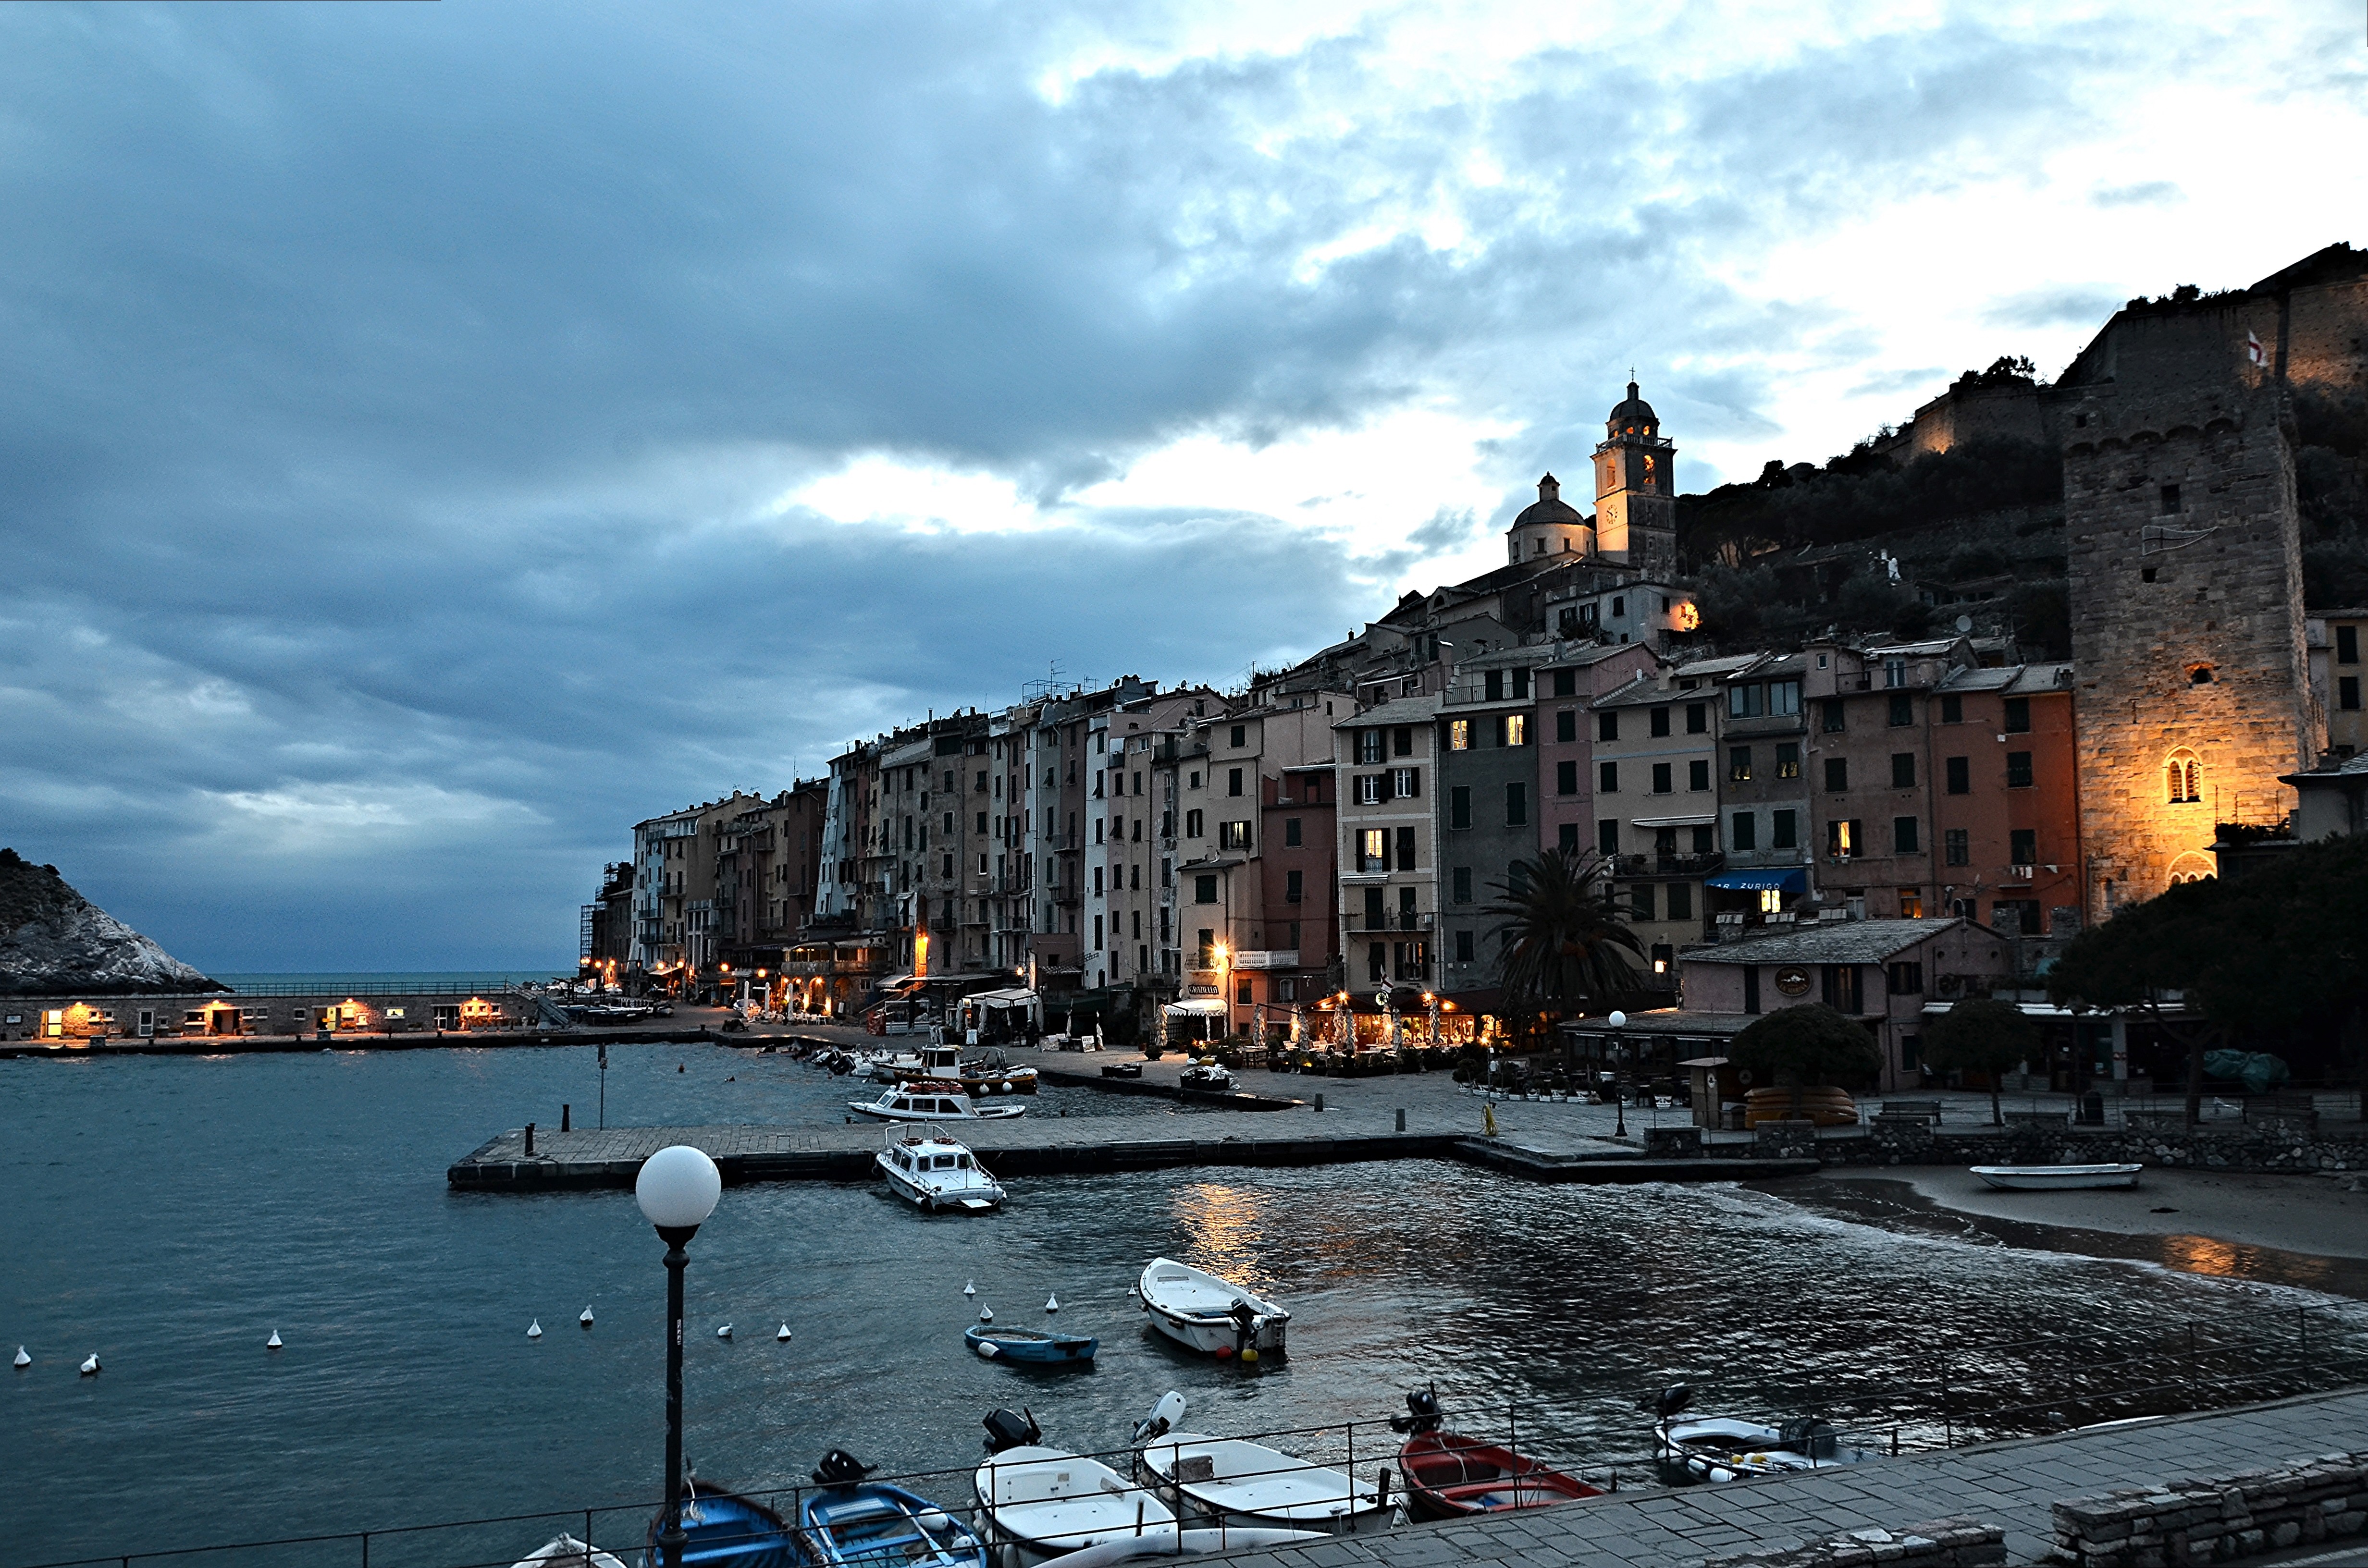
x: 855, y: 1523
x: 727, y: 1531
x: 1032, y: 1348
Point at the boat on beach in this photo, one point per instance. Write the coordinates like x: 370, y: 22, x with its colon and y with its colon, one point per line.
x: 1230, y: 1483
x: 1031, y: 1346
x: 935, y: 1174
x: 728, y: 1531
x: 1448, y: 1475
x: 1208, y: 1313
x: 850, y: 1522
x: 1720, y: 1447
x: 930, y: 1099
x: 2050, y: 1178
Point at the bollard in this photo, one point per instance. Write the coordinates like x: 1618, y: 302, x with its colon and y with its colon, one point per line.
x: 1401, y: 1118
x: 562, y: 1117
x: 529, y: 1137
x: 1319, y: 1102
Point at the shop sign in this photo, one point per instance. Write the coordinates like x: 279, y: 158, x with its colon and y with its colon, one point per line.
x: 1792, y: 980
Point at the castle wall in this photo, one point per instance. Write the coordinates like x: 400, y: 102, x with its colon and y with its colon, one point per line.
x: 2168, y: 586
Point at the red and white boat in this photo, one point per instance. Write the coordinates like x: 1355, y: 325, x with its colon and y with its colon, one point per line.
x: 1451, y: 1476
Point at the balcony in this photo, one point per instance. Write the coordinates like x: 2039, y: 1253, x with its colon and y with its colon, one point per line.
x: 1667, y: 865
x: 1393, y: 920
x: 1765, y: 859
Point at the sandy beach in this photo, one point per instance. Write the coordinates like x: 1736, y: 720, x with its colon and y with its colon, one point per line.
x: 2315, y: 1216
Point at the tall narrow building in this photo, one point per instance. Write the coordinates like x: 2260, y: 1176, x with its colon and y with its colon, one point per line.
x: 1636, y: 490
x: 2194, y: 690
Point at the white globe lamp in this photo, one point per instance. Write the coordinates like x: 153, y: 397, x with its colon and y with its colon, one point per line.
x: 677, y: 1190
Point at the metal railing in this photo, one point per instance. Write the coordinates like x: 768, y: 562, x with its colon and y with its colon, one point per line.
x: 1976, y: 1393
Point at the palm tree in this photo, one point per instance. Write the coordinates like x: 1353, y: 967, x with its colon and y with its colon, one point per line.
x: 1564, y: 939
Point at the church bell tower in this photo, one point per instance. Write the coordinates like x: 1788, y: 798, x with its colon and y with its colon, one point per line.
x: 1635, y: 491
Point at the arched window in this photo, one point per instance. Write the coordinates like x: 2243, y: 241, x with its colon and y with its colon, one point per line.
x: 2192, y: 867
x: 2183, y: 779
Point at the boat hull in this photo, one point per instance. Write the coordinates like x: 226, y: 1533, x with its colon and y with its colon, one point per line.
x: 1450, y: 1476
x: 2053, y: 1178
x: 1037, y: 1503
x: 1212, y: 1506
x: 731, y: 1532
x: 1183, y: 1304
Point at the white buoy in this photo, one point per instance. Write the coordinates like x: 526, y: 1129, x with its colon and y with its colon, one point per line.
x: 724, y: 1332
x: 987, y: 1314
x: 23, y: 1360
x: 586, y: 1319
x: 1053, y: 1303
x: 534, y: 1329
x: 970, y: 1287
x: 90, y: 1368
x: 272, y: 1343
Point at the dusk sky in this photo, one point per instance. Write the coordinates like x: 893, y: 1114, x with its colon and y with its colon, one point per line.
x: 437, y: 437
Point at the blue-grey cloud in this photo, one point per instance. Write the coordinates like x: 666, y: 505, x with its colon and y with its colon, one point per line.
x: 399, y: 400
x: 2145, y: 193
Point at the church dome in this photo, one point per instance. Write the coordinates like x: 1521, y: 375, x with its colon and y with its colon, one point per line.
x: 1550, y: 508
x: 1633, y: 413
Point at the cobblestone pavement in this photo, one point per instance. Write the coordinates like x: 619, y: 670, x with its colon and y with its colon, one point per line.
x: 2010, y: 1484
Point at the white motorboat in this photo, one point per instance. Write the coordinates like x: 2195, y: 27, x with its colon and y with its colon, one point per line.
x: 2046, y: 1178
x: 1212, y: 1316
x: 1227, y: 1483
x: 568, y: 1553
x: 1037, y: 1503
x: 930, y: 1099
x: 936, y: 1173
x: 1718, y: 1448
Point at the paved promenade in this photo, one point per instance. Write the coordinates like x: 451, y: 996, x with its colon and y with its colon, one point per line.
x: 2011, y: 1483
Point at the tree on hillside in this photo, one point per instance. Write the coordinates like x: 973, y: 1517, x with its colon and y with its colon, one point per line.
x: 1980, y: 1035
x: 2283, y: 948
x: 1566, y: 942
x: 1804, y: 1046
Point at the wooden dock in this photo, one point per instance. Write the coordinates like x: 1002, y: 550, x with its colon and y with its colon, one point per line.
x: 1071, y: 1146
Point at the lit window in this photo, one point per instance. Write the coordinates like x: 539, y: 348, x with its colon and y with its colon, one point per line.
x: 1459, y: 734
x: 2183, y: 779
x: 1517, y: 729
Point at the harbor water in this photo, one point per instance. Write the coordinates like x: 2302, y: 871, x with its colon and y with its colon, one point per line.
x: 171, y: 1213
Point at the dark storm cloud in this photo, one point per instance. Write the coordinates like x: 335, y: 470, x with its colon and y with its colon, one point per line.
x: 397, y: 397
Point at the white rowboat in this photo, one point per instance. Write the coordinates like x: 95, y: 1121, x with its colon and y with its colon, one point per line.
x: 1041, y: 1503
x: 2042, y: 1179
x: 1227, y: 1483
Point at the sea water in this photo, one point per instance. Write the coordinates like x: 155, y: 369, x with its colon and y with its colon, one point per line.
x: 171, y: 1213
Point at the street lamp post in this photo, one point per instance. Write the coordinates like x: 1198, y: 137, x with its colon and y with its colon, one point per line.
x: 677, y: 1190
x: 1619, y: 1020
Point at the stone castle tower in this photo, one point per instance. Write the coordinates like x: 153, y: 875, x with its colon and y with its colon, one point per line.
x: 2185, y: 581
x: 1636, y: 490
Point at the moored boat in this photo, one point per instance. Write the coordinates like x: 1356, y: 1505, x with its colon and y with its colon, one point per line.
x: 930, y: 1099
x: 1448, y: 1475
x: 1037, y: 1503
x: 936, y: 1173
x: 1721, y: 1447
x: 1031, y: 1347
x: 727, y: 1531
x: 853, y: 1523
x: 1208, y: 1313
x: 1229, y: 1483
x: 2048, y: 1178
x: 566, y: 1552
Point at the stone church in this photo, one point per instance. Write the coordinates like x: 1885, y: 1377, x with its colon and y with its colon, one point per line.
x: 1635, y: 522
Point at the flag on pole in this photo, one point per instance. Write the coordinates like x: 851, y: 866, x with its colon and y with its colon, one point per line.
x: 2254, y: 351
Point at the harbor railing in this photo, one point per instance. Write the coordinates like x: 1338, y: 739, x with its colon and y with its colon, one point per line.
x: 1975, y: 1393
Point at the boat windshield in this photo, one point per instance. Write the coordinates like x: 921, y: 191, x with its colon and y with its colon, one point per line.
x: 962, y: 1162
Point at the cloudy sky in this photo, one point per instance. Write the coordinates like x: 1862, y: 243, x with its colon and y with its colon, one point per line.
x: 433, y: 437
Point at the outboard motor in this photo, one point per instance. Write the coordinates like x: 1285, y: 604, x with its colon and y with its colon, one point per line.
x: 1165, y: 1417
x: 1422, y: 1413
x: 1810, y: 1437
x: 1674, y: 1398
x: 840, y: 1469
x: 1006, y: 1430
x: 1246, y: 1325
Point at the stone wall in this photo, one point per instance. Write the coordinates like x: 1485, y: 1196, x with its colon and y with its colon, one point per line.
x: 1937, y: 1543
x: 2192, y: 1521
x: 2186, y: 590
x: 2275, y: 1147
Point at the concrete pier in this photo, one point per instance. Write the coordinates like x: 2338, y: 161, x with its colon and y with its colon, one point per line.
x: 2012, y: 1485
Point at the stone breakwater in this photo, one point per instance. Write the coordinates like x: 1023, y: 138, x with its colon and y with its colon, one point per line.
x: 2195, y: 1521
x: 1936, y: 1543
x: 2270, y: 1146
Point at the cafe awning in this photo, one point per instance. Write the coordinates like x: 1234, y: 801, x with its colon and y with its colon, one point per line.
x: 1782, y: 879
x: 1015, y: 998
x: 1192, y: 1005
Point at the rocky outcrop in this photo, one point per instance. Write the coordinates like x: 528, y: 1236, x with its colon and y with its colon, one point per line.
x: 53, y: 942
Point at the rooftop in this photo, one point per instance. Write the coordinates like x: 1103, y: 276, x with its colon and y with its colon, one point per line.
x: 1834, y: 942
x: 1403, y: 710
